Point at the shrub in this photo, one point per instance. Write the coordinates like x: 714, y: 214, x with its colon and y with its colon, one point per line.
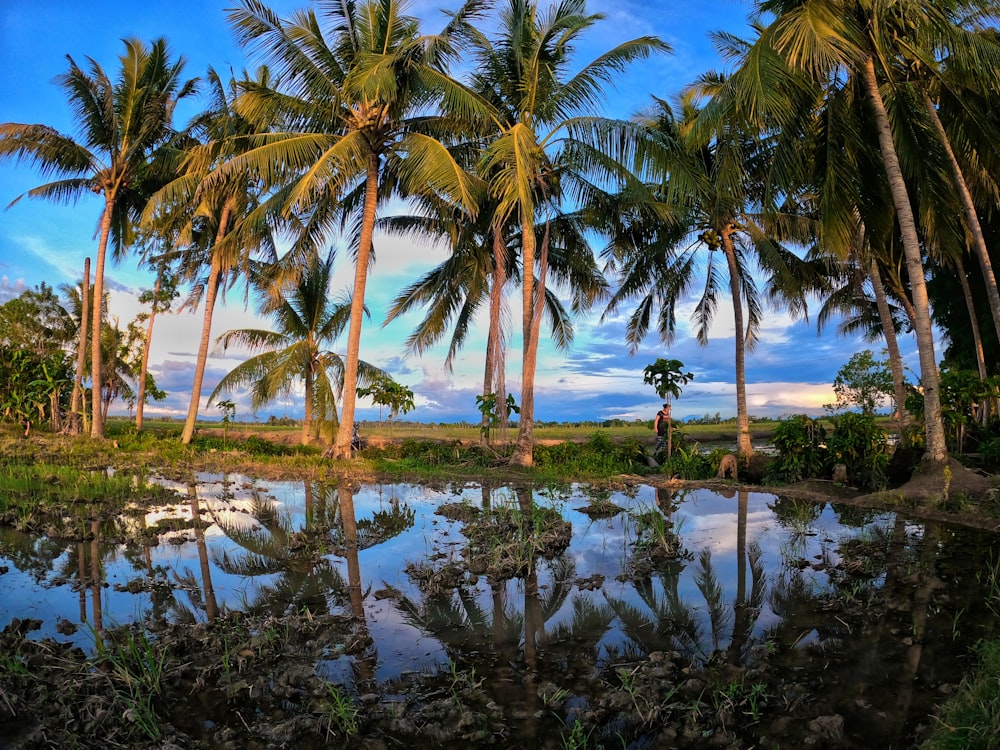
x: 860, y: 444
x: 802, y: 451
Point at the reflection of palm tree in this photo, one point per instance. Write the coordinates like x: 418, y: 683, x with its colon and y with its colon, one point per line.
x: 745, y: 610
x: 366, y: 657
x: 211, y: 607
x: 274, y: 548
x: 672, y: 624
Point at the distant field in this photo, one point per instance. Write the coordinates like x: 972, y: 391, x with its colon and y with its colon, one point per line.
x: 469, y: 433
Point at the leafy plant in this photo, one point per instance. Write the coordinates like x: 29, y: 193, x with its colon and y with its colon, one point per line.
x: 860, y: 444
x: 802, y: 451
x: 340, y: 713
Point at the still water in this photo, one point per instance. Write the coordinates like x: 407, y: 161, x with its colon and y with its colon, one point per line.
x: 863, y: 602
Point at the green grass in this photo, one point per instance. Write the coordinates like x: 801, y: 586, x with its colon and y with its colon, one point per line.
x: 971, y: 718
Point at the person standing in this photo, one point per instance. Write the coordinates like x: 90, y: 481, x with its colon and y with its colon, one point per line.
x: 662, y: 426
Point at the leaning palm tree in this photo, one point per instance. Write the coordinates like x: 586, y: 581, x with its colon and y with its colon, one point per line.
x: 215, y: 215
x: 306, y: 321
x: 836, y: 43
x: 122, y: 125
x: 545, y: 137
x: 355, y: 105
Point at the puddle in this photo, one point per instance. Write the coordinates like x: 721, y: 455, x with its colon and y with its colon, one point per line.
x: 835, y: 625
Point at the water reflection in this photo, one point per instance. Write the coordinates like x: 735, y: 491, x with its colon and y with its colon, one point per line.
x: 868, y: 612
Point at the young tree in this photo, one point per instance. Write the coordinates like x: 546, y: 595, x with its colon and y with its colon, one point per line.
x: 385, y: 391
x: 863, y: 382
x: 667, y: 376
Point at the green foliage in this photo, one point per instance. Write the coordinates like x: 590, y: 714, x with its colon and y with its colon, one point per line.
x: 860, y: 444
x: 384, y: 391
x: 688, y: 462
x: 961, y: 393
x: 489, y: 408
x: 31, y: 383
x: 971, y: 718
x: 599, y: 456
x: 801, y: 448
x: 864, y: 383
x: 667, y: 377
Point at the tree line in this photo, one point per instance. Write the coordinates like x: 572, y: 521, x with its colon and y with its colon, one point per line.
x: 848, y: 153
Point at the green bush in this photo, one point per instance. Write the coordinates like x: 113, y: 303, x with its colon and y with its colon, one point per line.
x: 802, y: 452
x: 690, y: 463
x: 860, y: 444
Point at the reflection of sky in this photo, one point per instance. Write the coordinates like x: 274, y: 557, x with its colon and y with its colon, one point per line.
x: 703, y: 519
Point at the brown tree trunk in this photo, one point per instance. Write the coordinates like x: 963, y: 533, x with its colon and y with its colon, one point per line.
x: 78, y: 403
x: 524, y: 447
x: 977, y: 337
x: 494, y: 380
x: 211, y: 293
x: 744, y: 446
x: 307, y: 417
x: 97, y: 416
x: 144, y: 368
x: 342, y: 446
x: 936, y: 452
x: 892, y: 346
x: 971, y: 216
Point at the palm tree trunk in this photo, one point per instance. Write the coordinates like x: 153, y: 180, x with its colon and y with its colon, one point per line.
x: 936, y: 452
x: 77, y: 404
x: 744, y: 446
x: 342, y: 446
x: 97, y: 323
x: 211, y: 293
x: 144, y: 368
x: 524, y: 447
x: 892, y: 346
x: 493, y: 377
x: 971, y: 217
x: 977, y: 337
x: 307, y: 418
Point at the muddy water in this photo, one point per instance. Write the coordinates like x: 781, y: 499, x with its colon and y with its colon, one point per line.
x: 660, y: 617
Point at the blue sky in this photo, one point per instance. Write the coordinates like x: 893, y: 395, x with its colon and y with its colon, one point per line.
x: 790, y: 371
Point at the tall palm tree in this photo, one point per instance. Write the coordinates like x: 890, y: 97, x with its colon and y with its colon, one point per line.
x: 306, y: 321
x: 357, y: 85
x: 214, y: 213
x: 834, y: 43
x: 483, y: 260
x: 713, y: 187
x: 122, y: 124
x: 159, y: 299
x: 545, y: 135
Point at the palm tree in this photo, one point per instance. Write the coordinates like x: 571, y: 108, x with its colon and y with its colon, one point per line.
x: 306, y: 319
x: 354, y: 99
x: 544, y: 138
x: 122, y: 124
x: 159, y: 299
x: 482, y: 262
x: 836, y: 43
x: 214, y: 213
x: 713, y: 175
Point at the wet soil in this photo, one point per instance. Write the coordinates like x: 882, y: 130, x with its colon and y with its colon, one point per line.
x: 252, y: 682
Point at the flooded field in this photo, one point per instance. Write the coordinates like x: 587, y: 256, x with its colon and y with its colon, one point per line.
x: 284, y: 614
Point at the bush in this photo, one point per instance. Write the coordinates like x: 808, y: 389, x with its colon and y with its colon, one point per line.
x: 802, y: 452
x: 860, y: 444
